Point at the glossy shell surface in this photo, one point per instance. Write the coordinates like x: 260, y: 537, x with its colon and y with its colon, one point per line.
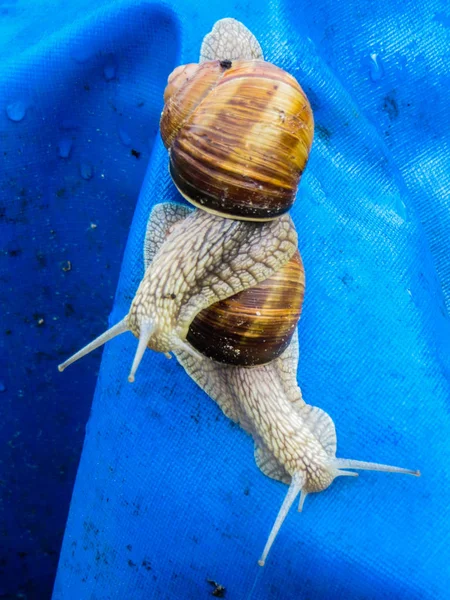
x: 239, y: 135
x: 256, y: 325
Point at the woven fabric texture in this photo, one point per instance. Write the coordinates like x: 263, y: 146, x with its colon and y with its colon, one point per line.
x: 167, y: 494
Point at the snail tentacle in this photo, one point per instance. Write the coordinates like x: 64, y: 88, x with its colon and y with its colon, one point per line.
x: 111, y: 333
x: 303, y: 495
x: 347, y: 473
x: 147, y: 327
x: 292, y: 493
x: 186, y: 347
x: 345, y: 463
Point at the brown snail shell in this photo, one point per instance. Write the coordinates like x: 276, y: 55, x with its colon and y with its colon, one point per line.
x: 256, y: 325
x: 239, y: 135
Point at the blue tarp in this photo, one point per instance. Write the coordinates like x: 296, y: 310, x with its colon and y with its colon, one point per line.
x: 167, y: 494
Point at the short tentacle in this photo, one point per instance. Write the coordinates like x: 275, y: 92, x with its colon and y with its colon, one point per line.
x: 146, y: 329
x: 303, y: 495
x: 347, y: 474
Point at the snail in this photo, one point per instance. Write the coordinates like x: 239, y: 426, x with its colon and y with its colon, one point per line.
x: 295, y: 443
x: 203, y: 260
x: 206, y: 258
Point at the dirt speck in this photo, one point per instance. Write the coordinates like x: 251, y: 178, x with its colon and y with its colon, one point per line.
x: 219, y: 590
x: 147, y: 565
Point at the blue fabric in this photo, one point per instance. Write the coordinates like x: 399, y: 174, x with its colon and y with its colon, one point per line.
x: 167, y: 494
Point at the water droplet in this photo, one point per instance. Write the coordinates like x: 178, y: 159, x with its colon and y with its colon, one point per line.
x: 124, y: 137
x: 400, y: 209
x: 109, y: 69
x: 16, y: 110
x: 376, y: 67
x: 2, y: 387
x: 86, y: 170
x: 64, y: 147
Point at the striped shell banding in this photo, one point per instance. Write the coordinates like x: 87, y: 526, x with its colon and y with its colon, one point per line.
x: 239, y: 135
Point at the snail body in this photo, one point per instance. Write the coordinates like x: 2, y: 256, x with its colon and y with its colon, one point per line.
x: 239, y: 135
x: 295, y: 443
x: 232, y: 330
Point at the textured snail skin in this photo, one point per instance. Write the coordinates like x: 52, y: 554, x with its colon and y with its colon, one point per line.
x: 294, y: 442
x: 290, y: 436
x: 249, y: 328
x: 230, y: 39
x: 239, y: 135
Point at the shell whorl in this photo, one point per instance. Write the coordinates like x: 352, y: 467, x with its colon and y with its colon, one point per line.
x: 256, y: 325
x: 239, y: 135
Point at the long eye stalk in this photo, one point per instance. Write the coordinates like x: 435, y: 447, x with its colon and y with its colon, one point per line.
x: 345, y: 463
x: 293, y: 492
x: 116, y: 330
